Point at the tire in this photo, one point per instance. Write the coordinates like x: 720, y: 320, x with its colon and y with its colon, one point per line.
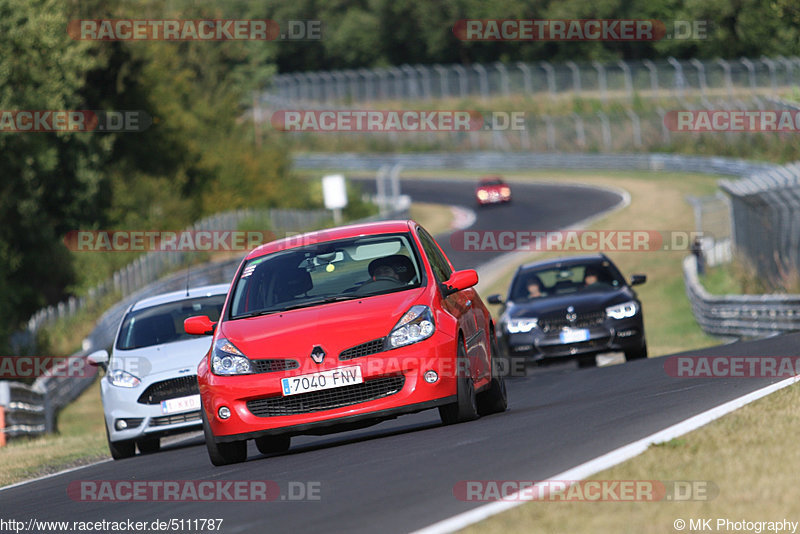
x: 273, y: 444
x: 149, y: 446
x: 466, y: 407
x: 233, y: 452
x: 494, y: 399
x: 120, y: 449
x: 638, y: 354
x: 586, y: 361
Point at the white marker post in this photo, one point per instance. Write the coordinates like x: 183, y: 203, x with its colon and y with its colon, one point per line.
x: 334, y: 192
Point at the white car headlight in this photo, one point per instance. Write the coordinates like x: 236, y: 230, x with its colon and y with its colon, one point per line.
x: 622, y: 311
x: 415, y: 325
x: 227, y: 360
x: 123, y: 379
x: 523, y: 325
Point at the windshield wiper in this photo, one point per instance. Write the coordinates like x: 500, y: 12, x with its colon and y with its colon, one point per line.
x: 325, y: 300
x: 256, y: 313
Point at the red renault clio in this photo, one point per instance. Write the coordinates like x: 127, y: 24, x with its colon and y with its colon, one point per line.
x: 341, y: 329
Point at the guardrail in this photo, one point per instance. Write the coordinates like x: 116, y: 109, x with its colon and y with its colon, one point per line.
x: 739, y: 315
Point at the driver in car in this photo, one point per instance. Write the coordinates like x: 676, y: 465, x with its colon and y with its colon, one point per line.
x: 385, y: 271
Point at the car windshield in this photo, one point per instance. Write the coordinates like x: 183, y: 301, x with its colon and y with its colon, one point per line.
x: 326, y: 272
x: 565, y: 279
x: 161, y: 324
x: 491, y: 182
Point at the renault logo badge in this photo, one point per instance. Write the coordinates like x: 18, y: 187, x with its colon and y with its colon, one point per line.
x: 318, y: 355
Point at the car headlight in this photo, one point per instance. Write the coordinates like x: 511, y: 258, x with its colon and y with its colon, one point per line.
x: 622, y: 311
x: 505, y: 191
x: 517, y: 326
x: 483, y: 195
x: 123, y: 379
x: 415, y: 325
x: 227, y: 360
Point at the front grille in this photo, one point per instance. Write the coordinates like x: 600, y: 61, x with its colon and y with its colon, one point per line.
x: 365, y: 349
x: 327, y: 399
x: 582, y: 346
x: 175, y: 418
x: 556, y: 322
x: 170, y: 389
x: 274, y: 364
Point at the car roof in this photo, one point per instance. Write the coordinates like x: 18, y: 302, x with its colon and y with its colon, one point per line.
x: 565, y: 261
x: 332, y: 234
x: 175, y: 296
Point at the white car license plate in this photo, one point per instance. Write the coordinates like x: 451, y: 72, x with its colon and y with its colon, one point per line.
x: 574, y: 335
x: 333, y: 378
x: 181, y: 404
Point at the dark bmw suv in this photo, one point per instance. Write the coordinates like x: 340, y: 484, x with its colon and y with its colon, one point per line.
x: 574, y: 307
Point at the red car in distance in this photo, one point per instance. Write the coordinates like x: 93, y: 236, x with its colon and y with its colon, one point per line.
x: 341, y: 329
x: 492, y: 190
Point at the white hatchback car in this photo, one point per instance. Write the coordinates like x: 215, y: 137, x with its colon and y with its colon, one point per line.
x: 150, y: 386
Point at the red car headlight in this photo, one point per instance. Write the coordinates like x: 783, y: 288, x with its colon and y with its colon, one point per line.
x: 414, y: 326
x: 227, y: 360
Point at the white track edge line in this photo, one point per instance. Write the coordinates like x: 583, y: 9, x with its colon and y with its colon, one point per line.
x: 607, y: 460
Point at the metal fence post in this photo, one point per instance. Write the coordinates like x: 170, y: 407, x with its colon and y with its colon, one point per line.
x: 726, y: 67
x: 462, y: 80
x: 526, y: 77
x: 551, y: 77
x: 576, y: 76
x: 411, y: 77
x: 504, y: 83
x: 483, y: 80
x: 680, y: 81
x: 601, y: 78
x: 444, y: 88
x: 771, y: 66
x: 628, y: 79
x: 653, y: 75
x: 751, y: 69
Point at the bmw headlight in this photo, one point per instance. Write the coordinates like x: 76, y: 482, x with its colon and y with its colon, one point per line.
x: 522, y: 325
x: 227, y: 360
x: 622, y: 311
x: 123, y: 379
x: 415, y: 325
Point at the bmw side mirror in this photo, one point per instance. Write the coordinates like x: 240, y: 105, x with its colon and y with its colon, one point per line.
x: 494, y: 299
x: 98, y: 358
x: 637, y: 279
x: 199, y: 325
x: 460, y: 280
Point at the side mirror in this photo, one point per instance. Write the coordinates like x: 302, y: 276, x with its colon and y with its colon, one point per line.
x: 494, y: 299
x: 460, y: 280
x: 199, y: 325
x: 98, y: 358
x: 637, y: 279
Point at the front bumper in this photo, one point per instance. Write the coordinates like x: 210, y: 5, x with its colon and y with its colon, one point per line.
x: 612, y: 336
x: 246, y: 395
x: 145, y: 421
x: 493, y: 198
